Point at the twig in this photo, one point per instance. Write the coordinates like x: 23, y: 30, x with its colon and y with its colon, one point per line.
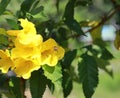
x: 104, y: 19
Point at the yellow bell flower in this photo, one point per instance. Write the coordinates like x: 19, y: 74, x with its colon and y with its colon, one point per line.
x: 27, y: 28
x: 24, y: 67
x: 29, y: 52
x: 5, y: 61
x: 51, y: 52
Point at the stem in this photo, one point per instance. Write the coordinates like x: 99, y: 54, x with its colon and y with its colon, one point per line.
x: 103, y: 20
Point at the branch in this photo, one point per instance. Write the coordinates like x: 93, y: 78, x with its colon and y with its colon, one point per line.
x: 104, y: 19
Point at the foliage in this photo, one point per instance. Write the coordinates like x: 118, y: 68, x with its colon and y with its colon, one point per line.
x: 54, y: 31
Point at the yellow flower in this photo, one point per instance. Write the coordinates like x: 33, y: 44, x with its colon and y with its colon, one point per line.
x: 24, y: 67
x: 51, y: 52
x: 29, y: 52
x: 27, y: 28
x: 5, y: 61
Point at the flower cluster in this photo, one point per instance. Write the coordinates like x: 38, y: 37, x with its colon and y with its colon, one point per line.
x: 29, y: 52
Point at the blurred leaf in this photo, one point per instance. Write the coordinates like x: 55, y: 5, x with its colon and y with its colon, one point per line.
x: 3, y: 83
x: 66, y: 84
x: 3, y: 5
x: 68, y: 58
x: 69, y: 10
x: 34, y: 5
x: 117, y: 40
x: 37, y: 10
x: 106, y: 55
x: 104, y: 65
x: 57, y: 4
x: 26, y: 5
x: 96, y: 33
x: 3, y: 40
x: 16, y: 87
x: 37, y: 84
x: 55, y: 75
x: 74, y: 25
x: 13, y: 24
x: 83, y: 2
x: 88, y: 74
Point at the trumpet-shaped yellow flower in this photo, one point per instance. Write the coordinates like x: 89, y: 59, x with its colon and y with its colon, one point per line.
x: 51, y: 52
x: 24, y: 67
x: 29, y: 52
x: 27, y: 28
x: 5, y: 61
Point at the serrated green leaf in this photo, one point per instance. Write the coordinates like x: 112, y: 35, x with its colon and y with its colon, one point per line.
x: 3, y: 5
x: 88, y: 74
x: 16, y: 88
x: 55, y: 75
x: 52, y: 73
x: 37, y: 84
x: 13, y: 24
x: 66, y: 84
x: 68, y: 58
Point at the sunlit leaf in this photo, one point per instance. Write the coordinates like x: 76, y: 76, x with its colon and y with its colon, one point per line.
x: 88, y: 74
x: 55, y: 75
x: 37, y: 84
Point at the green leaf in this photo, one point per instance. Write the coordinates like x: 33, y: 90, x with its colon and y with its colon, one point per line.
x: 67, y: 84
x: 3, y: 5
x: 55, y: 75
x: 16, y: 88
x: 69, y: 18
x: 88, y: 74
x: 68, y: 58
x: 74, y: 25
x: 106, y: 55
x: 69, y: 10
x: 13, y: 24
x: 26, y: 5
x: 104, y: 65
x: 37, y: 84
x: 37, y: 10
